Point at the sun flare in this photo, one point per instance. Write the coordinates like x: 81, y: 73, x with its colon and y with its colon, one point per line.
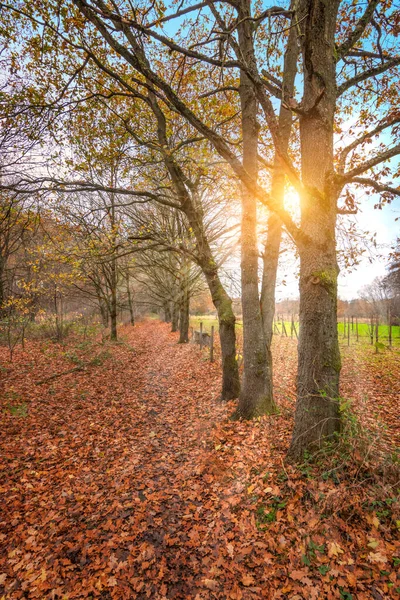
x: 292, y: 201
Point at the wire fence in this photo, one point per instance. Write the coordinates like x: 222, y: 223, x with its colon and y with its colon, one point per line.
x: 351, y: 330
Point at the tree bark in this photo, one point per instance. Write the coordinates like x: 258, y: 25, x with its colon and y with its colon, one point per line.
x: 113, y: 266
x: 317, y: 408
x: 2, y: 282
x: 184, y: 314
x: 227, y: 336
x: 130, y: 303
x: 274, y: 231
x: 174, y: 317
x: 113, y: 280
x: 256, y: 397
x: 167, y: 312
x: 221, y: 301
x: 113, y: 305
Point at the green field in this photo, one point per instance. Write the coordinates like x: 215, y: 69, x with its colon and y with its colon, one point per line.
x: 364, y: 330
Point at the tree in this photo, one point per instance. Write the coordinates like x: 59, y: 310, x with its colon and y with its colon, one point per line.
x: 324, y: 45
x: 392, y: 283
x: 167, y: 271
x: 340, y: 47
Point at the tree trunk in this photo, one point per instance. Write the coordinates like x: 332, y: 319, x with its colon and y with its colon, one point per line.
x: 2, y: 283
x: 130, y: 303
x: 221, y: 301
x: 270, y: 268
x: 256, y: 395
x: 113, y: 303
x: 175, y: 317
x: 113, y: 267
x: 184, y: 315
x: 227, y: 336
x: 103, y: 312
x: 167, y: 312
x: 274, y: 232
x: 317, y: 408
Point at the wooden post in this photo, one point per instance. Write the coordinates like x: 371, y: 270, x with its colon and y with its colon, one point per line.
x: 390, y: 327
x: 284, y: 328
x: 376, y: 333
x: 372, y: 330
x: 201, y: 335
x: 212, y: 344
x: 357, y: 328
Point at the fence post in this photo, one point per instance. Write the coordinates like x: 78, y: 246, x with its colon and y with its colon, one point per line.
x: 212, y: 344
x: 201, y: 335
x: 284, y: 328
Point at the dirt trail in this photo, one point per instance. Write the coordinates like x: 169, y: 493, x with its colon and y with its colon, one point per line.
x: 106, y: 473
x: 127, y: 480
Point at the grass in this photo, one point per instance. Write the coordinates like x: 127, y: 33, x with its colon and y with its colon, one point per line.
x: 18, y: 410
x: 364, y: 330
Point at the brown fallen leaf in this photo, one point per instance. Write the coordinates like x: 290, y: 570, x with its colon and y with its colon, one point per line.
x: 211, y: 584
x: 247, y: 580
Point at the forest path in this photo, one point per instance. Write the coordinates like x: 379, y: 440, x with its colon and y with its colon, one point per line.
x: 127, y: 480
x: 113, y: 478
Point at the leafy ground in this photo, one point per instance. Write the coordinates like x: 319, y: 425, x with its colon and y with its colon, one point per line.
x: 126, y: 479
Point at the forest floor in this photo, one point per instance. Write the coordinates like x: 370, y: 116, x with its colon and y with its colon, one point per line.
x: 126, y: 479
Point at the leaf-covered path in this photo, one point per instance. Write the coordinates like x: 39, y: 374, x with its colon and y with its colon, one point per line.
x: 127, y: 480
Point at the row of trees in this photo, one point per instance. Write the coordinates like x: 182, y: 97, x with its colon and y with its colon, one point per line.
x: 64, y: 263
x: 179, y: 114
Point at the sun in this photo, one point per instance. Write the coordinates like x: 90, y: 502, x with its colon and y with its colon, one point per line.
x: 292, y: 201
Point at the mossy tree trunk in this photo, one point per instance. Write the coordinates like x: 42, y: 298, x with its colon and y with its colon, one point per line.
x: 317, y: 408
x: 227, y: 336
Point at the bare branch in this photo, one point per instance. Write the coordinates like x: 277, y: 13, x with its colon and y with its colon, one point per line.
x: 388, y: 122
x: 359, y: 29
x: 39, y: 184
x: 178, y: 13
x: 369, y: 164
x: 226, y: 88
x: 347, y: 211
x: 385, y: 66
x: 378, y: 187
